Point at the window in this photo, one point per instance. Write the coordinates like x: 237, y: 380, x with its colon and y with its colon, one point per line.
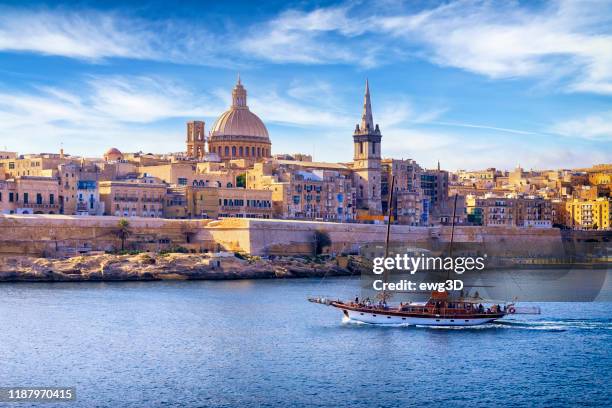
x: 182, y: 181
x: 26, y: 198
x: 38, y: 198
x: 51, y: 199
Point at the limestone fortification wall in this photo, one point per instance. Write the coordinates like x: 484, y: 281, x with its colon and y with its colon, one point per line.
x: 48, y: 235
x: 278, y: 237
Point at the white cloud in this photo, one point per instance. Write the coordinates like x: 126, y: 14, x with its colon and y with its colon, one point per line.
x: 596, y: 127
x: 507, y: 40
x: 96, y: 36
x: 565, y: 40
x: 272, y: 107
x: 86, y: 35
x: 562, y: 39
x: 304, y: 37
x: 471, y: 151
x: 104, y: 111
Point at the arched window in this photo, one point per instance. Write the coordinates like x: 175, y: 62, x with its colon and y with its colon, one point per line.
x: 246, y: 151
x: 253, y: 151
x: 229, y: 185
x: 259, y: 152
x: 226, y: 151
x: 233, y: 151
x: 240, y: 153
x: 361, y: 191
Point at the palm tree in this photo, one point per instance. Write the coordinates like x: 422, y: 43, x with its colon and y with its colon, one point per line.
x: 123, y: 231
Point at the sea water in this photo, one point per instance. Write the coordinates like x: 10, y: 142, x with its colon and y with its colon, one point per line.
x: 260, y: 343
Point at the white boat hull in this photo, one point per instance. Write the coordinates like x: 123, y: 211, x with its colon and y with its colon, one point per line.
x: 377, y: 318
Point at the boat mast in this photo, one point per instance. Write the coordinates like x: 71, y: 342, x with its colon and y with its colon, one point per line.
x: 450, y: 248
x: 389, y: 207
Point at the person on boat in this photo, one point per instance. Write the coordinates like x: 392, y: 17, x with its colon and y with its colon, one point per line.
x: 480, y: 308
x: 356, y: 300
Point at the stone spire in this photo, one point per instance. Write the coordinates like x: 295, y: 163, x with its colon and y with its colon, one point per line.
x: 367, y: 123
x: 239, y: 95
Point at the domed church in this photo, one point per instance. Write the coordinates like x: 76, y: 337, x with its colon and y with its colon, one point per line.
x: 238, y: 133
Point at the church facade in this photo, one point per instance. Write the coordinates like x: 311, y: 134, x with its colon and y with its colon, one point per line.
x: 301, y: 188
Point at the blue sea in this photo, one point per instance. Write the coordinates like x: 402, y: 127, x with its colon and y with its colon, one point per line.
x: 260, y: 343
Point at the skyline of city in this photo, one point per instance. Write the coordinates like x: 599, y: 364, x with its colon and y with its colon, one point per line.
x: 130, y: 77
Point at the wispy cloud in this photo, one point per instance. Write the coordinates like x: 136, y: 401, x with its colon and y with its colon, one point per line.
x: 458, y: 150
x: 567, y: 40
x: 96, y: 36
x: 595, y: 127
x: 486, y: 127
x: 507, y: 40
x: 104, y: 109
x: 304, y: 37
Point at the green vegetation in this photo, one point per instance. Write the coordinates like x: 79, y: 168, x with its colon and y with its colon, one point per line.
x: 241, y: 180
x: 175, y: 250
x: 125, y: 252
x: 123, y: 231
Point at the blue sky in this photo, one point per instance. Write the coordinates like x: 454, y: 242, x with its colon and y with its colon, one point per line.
x: 470, y: 83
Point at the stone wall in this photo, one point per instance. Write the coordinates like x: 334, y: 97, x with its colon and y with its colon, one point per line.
x: 279, y: 237
x: 56, y: 235
x: 48, y: 235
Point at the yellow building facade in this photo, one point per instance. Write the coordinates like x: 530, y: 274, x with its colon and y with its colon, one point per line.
x: 588, y: 214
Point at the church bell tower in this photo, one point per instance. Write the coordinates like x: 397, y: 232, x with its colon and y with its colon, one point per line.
x: 366, y: 160
x: 195, y: 139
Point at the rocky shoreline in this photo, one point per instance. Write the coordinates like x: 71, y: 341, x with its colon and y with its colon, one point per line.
x: 154, y: 266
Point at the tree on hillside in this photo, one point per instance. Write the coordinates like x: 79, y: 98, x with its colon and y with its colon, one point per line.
x: 321, y: 240
x: 241, y: 180
x: 123, y: 231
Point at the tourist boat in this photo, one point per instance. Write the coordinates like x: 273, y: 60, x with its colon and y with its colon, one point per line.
x: 439, y: 310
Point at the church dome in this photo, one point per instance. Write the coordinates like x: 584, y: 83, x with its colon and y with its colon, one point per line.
x: 239, y: 120
x: 113, y: 154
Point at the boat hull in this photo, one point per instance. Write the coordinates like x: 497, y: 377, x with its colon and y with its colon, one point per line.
x: 378, y: 318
